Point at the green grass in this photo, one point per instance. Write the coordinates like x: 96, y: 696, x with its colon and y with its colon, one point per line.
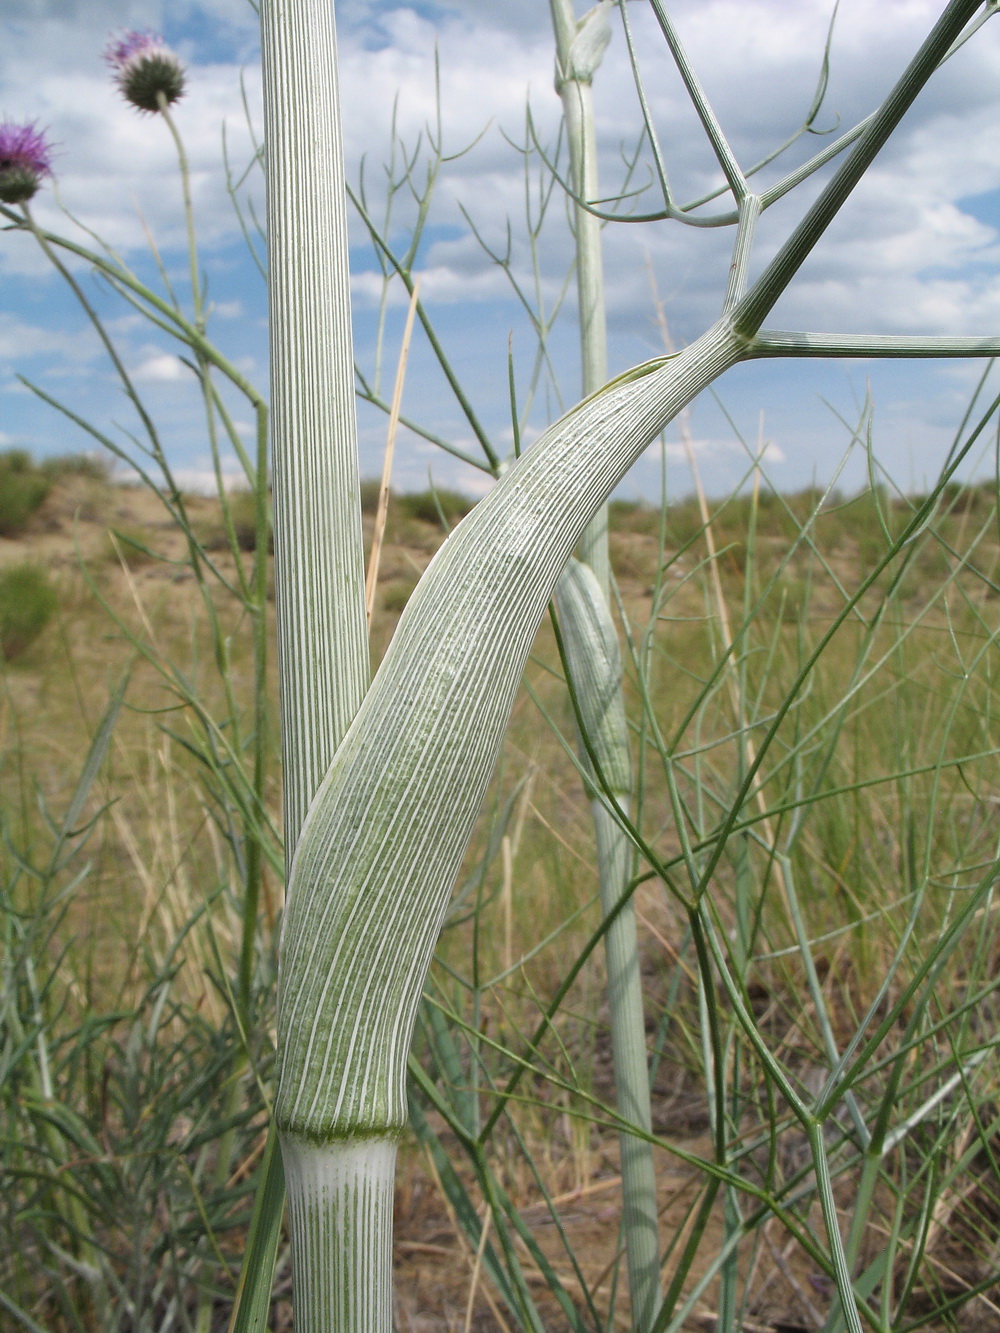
x: 23, y: 488
x: 27, y: 603
x: 132, y: 1111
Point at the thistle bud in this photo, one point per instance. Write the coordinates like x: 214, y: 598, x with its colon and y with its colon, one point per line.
x: 145, y: 70
x: 25, y: 157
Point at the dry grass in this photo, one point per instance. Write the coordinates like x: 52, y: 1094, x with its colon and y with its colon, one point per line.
x: 160, y: 853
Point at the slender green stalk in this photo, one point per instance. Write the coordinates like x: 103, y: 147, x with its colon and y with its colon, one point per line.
x: 595, y: 674
x: 579, y: 48
x: 594, y: 668
x: 257, y: 605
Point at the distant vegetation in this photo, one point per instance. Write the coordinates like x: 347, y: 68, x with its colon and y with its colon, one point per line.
x: 27, y: 601
x: 23, y: 487
x: 24, y: 484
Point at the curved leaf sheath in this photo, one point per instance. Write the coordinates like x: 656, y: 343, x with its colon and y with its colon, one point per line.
x: 384, y: 837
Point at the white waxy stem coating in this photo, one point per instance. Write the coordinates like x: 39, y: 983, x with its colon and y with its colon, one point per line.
x: 340, y: 1198
x: 319, y: 571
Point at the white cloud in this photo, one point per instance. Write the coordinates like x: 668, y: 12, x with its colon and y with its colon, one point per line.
x: 161, y: 367
x: 758, y: 59
x: 906, y: 254
x: 20, y: 340
x: 200, y: 479
x: 723, y: 446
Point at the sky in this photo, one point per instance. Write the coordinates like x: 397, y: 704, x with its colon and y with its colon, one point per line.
x: 914, y: 251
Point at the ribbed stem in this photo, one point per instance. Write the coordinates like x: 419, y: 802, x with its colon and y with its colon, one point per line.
x: 319, y: 553
x: 319, y: 571
x: 386, y: 833
x: 574, y: 88
x: 340, y: 1199
x: 593, y: 662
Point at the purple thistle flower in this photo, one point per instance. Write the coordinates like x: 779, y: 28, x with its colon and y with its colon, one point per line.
x: 122, y: 48
x: 25, y: 157
x: 145, y: 70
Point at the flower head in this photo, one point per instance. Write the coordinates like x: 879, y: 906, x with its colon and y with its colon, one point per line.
x: 145, y: 70
x: 25, y: 157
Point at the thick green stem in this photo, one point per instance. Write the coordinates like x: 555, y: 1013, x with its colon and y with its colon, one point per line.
x: 319, y: 552
x: 319, y: 571
x: 340, y: 1198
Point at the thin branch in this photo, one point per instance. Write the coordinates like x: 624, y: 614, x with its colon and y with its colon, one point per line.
x: 778, y: 342
x: 720, y: 146
x: 765, y: 292
x: 749, y: 213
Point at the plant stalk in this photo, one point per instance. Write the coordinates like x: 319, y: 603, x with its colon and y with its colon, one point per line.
x: 574, y: 74
x: 319, y: 554
x: 340, y: 1198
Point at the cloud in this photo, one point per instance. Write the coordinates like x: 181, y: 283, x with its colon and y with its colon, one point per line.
x: 161, y: 367
x: 908, y: 254
x: 903, y: 242
x: 117, y: 170
x: 201, y: 480
x: 20, y: 339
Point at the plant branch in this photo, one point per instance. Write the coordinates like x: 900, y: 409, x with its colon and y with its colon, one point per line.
x: 753, y: 309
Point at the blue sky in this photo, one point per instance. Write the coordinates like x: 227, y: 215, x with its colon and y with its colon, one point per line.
x: 916, y: 251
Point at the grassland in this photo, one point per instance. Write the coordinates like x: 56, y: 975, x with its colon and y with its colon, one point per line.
x: 134, y: 1102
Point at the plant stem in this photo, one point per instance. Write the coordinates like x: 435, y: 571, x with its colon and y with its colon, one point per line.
x: 614, y: 853
x: 319, y: 570
x: 319, y: 554
x: 340, y: 1198
x: 628, y: 1047
x: 576, y: 94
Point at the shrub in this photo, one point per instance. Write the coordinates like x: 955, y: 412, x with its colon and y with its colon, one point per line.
x: 370, y: 488
x: 23, y: 487
x: 243, y: 514
x: 90, y: 466
x: 27, y: 601
x: 633, y: 516
x: 396, y: 594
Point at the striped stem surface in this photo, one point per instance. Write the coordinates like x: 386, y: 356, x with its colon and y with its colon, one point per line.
x: 385, y: 836
x: 318, y: 550
x: 340, y: 1199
